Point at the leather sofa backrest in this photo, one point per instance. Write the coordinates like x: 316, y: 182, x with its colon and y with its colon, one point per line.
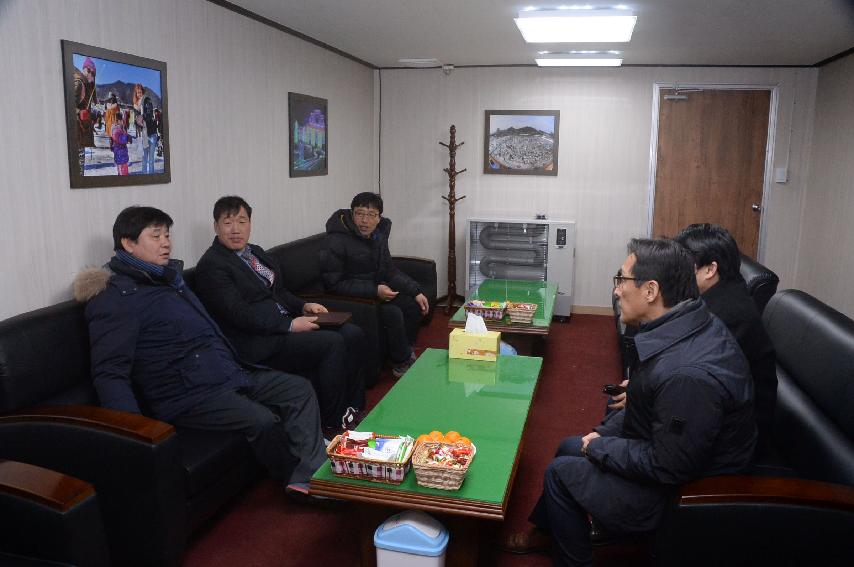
x: 815, y: 346
x: 761, y: 282
x: 300, y: 262
x: 44, y: 356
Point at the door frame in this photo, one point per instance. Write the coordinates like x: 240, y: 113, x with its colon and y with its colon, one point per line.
x: 769, y: 146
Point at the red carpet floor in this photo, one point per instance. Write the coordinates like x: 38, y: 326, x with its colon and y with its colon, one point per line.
x: 264, y: 529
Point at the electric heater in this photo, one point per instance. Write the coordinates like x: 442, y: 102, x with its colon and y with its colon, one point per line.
x: 512, y: 249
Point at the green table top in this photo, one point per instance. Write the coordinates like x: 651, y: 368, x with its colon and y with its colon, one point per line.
x: 519, y: 291
x: 485, y: 401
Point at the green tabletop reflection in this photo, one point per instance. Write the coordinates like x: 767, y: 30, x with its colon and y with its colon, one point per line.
x: 485, y: 401
x: 519, y: 291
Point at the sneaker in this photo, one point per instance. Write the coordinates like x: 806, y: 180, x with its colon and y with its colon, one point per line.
x: 298, y: 492
x: 352, y: 418
x: 400, y: 369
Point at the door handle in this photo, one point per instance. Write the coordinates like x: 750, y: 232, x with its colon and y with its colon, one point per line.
x: 756, y: 207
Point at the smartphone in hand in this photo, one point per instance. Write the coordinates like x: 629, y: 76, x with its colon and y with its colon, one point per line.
x: 613, y: 389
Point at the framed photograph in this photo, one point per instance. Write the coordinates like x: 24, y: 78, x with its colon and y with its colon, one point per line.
x: 521, y: 142
x: 116, y: 116
x: 309, y: 121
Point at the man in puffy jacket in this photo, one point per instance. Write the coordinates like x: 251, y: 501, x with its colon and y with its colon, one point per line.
x: 358, y: 263
x: 689, y: 415
x: 149, y: 332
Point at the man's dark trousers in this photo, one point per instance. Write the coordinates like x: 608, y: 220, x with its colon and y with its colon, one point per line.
x: 277, y: 413
x: 332, y: 359
x: 401, y: 318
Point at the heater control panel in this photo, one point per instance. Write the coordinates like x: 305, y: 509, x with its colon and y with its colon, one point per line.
x: 561, y: 237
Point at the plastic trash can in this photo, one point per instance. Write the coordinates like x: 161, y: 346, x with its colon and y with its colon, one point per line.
x: 411, y: 539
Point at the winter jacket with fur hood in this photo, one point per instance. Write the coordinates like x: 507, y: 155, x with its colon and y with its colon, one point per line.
x: 147, y: 336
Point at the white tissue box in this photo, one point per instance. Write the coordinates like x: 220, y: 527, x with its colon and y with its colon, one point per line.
x: 474, y: 346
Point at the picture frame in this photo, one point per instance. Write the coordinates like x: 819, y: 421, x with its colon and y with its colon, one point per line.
x: 521, y: 142
x: 116, y: 117
x: 308, y: 119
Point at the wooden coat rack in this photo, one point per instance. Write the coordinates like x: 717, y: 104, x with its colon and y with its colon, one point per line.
x: 453, y: 299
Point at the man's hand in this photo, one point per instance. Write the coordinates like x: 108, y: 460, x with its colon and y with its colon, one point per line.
x: 619, y: 399
x: 386, y: 293
x: 585, y: 441
x: 313, y: 309
x: 303, y: 324
x: 421, y: 299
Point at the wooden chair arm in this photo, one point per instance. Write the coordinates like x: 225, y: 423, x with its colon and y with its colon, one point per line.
x: 44, y: 486
x: 126, y: 424
x: 773, y: 490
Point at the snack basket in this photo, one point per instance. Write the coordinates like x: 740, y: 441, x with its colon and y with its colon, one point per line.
x: 433, y: 475
x: 486, y: 309
x: 521, y: 312
x: 388, y: 472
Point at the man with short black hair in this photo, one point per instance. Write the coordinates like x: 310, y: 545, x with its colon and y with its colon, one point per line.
x: 358, y: 263
x: 244, y: 290
x: 148, y: 331
x: 690, y: 414
x: 717, y: 262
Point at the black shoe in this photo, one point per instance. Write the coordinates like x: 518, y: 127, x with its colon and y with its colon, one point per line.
x: 352, y: 418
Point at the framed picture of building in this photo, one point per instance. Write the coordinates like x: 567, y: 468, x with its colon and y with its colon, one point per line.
x: 521, y: 142
x: 308, y: 141
x: 116, y: 117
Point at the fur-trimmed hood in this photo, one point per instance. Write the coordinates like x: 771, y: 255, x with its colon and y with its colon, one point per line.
x: 90, y: 282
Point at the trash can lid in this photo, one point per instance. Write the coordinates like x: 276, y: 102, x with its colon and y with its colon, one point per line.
x: 412, y: 532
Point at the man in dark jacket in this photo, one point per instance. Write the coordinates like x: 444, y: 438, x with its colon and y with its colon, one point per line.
x: 358, y: 263
x: 718, y: 262
x: 690, y: 414
x: 244, y: 291
x: 148, y: 331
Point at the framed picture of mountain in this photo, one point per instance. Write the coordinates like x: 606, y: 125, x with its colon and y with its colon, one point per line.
x: 309, y: 129
x: 521, y: 142
x: 116, y: 117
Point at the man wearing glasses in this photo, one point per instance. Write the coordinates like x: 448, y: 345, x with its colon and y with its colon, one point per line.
x: 358, y: 263
x: 690, y: 415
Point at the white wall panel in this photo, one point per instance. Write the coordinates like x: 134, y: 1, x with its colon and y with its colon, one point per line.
x: 228, y: 81
x: 605, y: 133
x: 825, y: 259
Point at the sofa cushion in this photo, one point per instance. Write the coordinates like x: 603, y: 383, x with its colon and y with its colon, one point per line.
x: 42, y: 353
x: 208, y: 455
x: 300, y: 263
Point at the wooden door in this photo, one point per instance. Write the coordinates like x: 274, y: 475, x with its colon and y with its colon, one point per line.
x: 711, y: 162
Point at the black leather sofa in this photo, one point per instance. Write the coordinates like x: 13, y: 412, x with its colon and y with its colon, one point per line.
x: 807, y: 516
x: 155, y: 484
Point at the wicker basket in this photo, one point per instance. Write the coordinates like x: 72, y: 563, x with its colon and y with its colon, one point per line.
x: 368, y: 469
x: 433, y: 475
x: 521, y: 312
x: 486, y: 311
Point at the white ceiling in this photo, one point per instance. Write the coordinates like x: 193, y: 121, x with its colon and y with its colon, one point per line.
x: 482, y: 32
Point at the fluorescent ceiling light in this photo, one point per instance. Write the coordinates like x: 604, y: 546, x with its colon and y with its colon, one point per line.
x: 581, y: 59
x: 576, y: 25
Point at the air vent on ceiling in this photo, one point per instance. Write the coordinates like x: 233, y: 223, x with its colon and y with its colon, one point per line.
x: 432, y: 62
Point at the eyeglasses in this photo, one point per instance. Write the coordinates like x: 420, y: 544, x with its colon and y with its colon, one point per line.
x: 619, y: 278
x: 371, y: 215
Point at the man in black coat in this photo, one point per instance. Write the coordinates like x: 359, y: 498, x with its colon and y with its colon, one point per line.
x: 689, y: 415
x: 243, y: 290
x: 718, y: 264
x: 358, y: 263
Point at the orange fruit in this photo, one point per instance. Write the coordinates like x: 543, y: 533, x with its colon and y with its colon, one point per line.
x: 436, y: 436
x: 464, y: 440
x: 422, y: 438
x: 452, y: 437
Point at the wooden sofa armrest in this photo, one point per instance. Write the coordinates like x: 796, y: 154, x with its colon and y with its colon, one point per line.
x: 122, y: 423
x: 43, y: 486
x: 772, y: 490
